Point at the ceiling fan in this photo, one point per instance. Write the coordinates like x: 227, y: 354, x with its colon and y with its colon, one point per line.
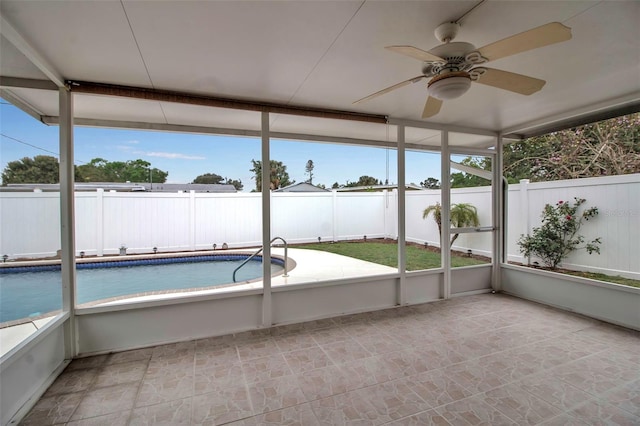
x: 452, y: 66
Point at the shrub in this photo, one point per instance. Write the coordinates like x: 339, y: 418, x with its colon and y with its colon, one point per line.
x: 558, y: 235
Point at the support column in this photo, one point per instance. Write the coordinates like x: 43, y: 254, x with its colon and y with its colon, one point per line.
x: 445, y: 200
x: 401, y: 209
x: 267, y: 318
x: 67, y: 220
x: 499, y: 220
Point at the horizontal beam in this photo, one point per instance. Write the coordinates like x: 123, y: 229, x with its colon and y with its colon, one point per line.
x: 442, y: 127
x: 604, y: 110
x: 211, y: 101
x: 17, y: 101
x: 27, y: 83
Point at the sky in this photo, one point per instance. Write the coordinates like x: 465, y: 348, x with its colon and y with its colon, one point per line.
x: 185, y: 156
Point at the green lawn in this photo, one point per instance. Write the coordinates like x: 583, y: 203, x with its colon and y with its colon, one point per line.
x: 420, y: 258
x: 387, y: 254
x: 608, y: 278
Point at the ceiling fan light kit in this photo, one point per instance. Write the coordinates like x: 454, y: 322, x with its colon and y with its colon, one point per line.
x: 449, y: 86
x: 453, y: 66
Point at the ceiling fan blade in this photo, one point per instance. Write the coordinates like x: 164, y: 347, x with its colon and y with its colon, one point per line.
x: 390, y: 88
x: 544, y: 35
x: 414, y: 52
x: 511, y: 81
x: 432, y: 107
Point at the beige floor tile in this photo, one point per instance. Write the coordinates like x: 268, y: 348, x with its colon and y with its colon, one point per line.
x: 265, y: 368
x: 116, y: 374
x: 550, y: 388
x: 107, y: 400
x: 87, y: 362
x: 626, y: 397
x: 114, y: 419
x: 436, y: 388
x: 72, y: 381
x: 128, y: 356
x: 325, y: 382
x: 424, y: 364
x: 166, y: 414
x: 174, y: 383
x: 473, y: 411
x: 426, y: 418
x: 53, y: 409
x: 521, y: 406
x: 307, y: 359
x: 223, y: 406
x: 600, y: 413
x: 299, y: 415
x: 254, y: 349
x: 275, y: 394
x: 345, y: 351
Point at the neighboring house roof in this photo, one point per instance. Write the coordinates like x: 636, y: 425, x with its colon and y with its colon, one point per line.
x: 410, y: 187
x: 121, y: 187
x: 198, y: 187
x: 301, y: 187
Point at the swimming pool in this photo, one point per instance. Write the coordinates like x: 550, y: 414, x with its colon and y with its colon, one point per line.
x: 33, y: 291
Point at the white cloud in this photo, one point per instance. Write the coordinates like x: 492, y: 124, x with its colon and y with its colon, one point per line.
x: 133, y: 142
x: 175, y: 155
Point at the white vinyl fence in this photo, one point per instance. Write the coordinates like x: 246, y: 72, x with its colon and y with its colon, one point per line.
x: 105, y: 221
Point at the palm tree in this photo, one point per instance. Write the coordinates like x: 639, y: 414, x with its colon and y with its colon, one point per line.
x: 462, y: 215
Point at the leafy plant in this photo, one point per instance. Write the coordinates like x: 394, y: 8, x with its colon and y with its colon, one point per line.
x: 462, y: 215
x: 558, y: 235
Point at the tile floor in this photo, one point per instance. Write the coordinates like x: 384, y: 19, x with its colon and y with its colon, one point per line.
x: 486, y: 359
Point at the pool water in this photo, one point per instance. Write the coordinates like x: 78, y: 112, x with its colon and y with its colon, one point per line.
x: 29, y: 294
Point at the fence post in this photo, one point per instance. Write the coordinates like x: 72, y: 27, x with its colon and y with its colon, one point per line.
x: 192, y: 220
x: 334, y: 205
x: 99, y: 222
x: 525, y: 226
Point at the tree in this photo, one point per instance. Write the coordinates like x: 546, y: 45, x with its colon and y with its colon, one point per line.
x: 278, y: 175
x: 468, y: 180
x: 208, y: 178
x: 39, y: 169
x: 236, y: 183
x: 101, y: 170
x: 558, y: 235
x: 309, y: 170
x: 430, y: 183
x: 461, y: 215
x: 610, y: 147
x: 364, y: 181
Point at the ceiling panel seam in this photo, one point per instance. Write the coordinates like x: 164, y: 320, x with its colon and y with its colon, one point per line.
x: 322, y: 57
x: 144, y: 63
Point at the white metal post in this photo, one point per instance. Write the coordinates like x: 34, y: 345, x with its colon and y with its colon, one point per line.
x: 267, y: 317
x: 445, y: 194
x: 67, y: 220
x: 498, y: 216
x: 401, y: 208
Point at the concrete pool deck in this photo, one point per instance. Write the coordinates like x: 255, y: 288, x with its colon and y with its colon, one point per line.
x: 310, y: 266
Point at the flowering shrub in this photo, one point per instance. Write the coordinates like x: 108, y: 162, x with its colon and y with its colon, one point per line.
x: 558, y: 235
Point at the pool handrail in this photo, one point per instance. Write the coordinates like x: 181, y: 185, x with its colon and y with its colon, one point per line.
x: 260, y: 251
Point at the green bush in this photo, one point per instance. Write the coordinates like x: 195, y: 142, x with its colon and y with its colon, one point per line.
x: 558, y: 235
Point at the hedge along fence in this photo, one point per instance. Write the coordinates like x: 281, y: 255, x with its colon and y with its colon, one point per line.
x: 105, y: 221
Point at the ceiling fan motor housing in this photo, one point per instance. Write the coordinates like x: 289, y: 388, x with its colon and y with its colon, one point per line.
x: 447, y: 32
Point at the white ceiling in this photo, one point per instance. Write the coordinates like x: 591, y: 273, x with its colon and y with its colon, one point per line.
x: 319, y: 54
